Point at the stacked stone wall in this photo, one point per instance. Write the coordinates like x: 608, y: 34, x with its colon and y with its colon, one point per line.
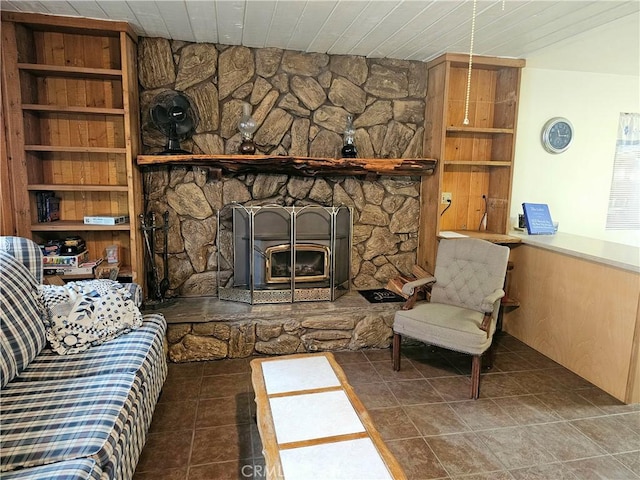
x: 300, y: 103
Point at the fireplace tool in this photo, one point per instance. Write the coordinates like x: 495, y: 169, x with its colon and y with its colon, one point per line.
x: 157, y: 289
x: 164, y: 284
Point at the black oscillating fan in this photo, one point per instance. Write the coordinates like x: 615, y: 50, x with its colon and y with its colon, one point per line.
x: 174, y: 115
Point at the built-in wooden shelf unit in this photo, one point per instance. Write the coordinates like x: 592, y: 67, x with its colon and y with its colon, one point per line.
x: 475, y: 161
x: 70, y: 99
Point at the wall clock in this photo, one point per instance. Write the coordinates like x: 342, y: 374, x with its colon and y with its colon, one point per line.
x: 557, y: 135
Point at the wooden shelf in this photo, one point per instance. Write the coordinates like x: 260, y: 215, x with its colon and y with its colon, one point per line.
x: 77, y: 188
x: 70, y: 72
x: 62, y: 148
x: 72, y: 109
x: 72, y: 225
x: 483, y: 163
x: 303, y: 166
x: 473, y: 130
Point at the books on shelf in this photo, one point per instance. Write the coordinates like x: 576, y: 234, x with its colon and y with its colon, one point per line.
x: 538, y: 219
x: 105, y: 219
x: 48, y: 206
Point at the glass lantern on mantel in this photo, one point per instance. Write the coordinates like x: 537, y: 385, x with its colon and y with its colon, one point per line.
x: 349, y: 147
x: 247, y: 126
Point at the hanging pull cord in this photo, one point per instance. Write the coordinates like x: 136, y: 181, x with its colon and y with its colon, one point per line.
x: 473, y: 33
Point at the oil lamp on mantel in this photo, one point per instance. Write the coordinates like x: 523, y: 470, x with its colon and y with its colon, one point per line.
x: 349, y: 148
x: 247, y: 126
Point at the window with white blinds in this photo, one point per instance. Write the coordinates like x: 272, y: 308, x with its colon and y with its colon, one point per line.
x: 624, y: 198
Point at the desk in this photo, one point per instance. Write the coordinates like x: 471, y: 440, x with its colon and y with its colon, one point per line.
x: 312, y: 424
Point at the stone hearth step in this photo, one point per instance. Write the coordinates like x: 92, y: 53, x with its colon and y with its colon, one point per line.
x: 207, y: 328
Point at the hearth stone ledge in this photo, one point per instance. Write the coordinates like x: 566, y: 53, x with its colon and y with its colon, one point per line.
x: 202, y: 329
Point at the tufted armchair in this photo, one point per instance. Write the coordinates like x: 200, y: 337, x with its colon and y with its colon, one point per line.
x: 465, y: 298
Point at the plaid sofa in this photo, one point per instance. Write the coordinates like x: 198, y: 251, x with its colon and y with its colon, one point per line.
x: 69, y: 417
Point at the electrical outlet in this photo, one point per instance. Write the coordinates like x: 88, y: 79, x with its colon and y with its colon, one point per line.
x: 446, y: 198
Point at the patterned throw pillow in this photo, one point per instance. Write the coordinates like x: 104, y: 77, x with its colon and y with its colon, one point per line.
x: 89, y: 313
x: 22, y: 333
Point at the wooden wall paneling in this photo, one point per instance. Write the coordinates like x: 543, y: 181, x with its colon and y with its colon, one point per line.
x: 507, y: 81
x: 120, y: 203
x: 501, y: 148
x: 24, y: 39
x: 453, y: 148
x: 31, y: 124
x: 582, y: 314
x: 457, y: 87
x: 485, y: 147
x: 28, y: 87
x: 112, y: 54
x: 47, y: 164
x: 55, y: 173
x: 478, y: 186
x: 33, y: 168
x: 499, y: 190
x: 485, y: 87
x: 118, y: 170
x: 98, y: 169
x: 460, y: 186
x: 101, y: 203
x: 74, y: 54
x: 467, y: 184
x: 457, y: 185
x: 67, y: 207
x: 447, y: 218
x: 82, y: 169
x: 40, y: 41
x: 116, y: 94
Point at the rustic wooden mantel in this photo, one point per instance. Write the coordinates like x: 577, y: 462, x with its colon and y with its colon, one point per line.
x: 302, y: 166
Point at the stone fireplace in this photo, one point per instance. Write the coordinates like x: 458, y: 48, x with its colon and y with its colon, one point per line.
x: 300, y: 102
x: 285, y: 254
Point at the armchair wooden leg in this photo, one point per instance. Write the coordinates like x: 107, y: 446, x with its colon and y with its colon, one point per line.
x: 475, y: 376
x: 397, y: 338
x: 490, y: 357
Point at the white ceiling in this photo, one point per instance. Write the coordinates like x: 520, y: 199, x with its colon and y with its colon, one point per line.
x: 403, y: 29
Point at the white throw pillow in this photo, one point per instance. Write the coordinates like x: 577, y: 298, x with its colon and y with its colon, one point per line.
x: 84, y: 314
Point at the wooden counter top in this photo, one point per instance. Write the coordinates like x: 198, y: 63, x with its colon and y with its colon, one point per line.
x: 482, y: 235
x: 613, y: 254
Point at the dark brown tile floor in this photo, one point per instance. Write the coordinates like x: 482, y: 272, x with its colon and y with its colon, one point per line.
x: 534, y: 420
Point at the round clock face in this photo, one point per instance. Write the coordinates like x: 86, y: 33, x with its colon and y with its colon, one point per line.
x: 557, y: 135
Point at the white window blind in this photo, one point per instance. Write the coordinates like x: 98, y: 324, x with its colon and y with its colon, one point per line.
x: 624, y: 198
